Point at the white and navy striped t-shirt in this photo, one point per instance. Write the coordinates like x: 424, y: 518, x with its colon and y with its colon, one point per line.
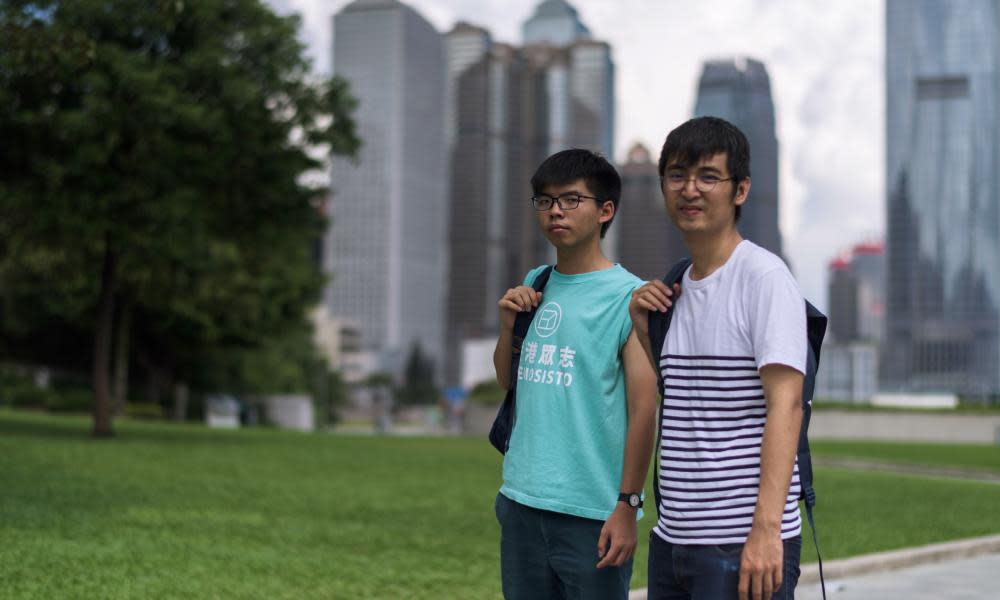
x: 746, y: 314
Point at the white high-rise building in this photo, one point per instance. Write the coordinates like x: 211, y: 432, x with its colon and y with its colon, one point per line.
x: 386, y: 248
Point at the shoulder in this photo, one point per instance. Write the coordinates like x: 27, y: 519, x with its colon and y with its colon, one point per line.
x: 624, y: 278
x: 532, y: 274
x: 757, y: 264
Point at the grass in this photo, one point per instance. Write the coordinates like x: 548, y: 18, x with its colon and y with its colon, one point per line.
x: 178, y: 511
x: 981, y: 457
x: 965, y: 407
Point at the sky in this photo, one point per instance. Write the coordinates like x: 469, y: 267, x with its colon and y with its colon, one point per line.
x: 825, y: 61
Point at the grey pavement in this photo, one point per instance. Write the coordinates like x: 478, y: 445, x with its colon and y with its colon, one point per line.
x: 975, y: 578
x: 963, y: 569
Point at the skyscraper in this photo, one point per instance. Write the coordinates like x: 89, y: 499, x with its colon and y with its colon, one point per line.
x: 483, y: 83
x: 385, y: 248
x: 942, y: 174
x: 739, y: 91
x: 554, y: 22
x: 651, y: 244
x: 507, y: 108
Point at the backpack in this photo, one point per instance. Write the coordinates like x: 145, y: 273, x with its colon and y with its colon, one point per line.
x: 503, y: 424
x: 816, y: 322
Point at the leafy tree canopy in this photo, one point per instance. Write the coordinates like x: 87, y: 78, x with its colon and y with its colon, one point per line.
x: 153, y: 157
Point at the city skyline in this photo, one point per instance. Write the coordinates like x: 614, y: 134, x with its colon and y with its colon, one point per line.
x: 826, y: 71
x: 943, y: 154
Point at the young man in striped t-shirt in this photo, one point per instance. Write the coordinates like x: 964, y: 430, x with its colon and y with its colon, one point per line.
x: 732, y: 366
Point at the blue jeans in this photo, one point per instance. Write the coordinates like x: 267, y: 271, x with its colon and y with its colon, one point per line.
x: 550, y: 555
x: 681, y: 572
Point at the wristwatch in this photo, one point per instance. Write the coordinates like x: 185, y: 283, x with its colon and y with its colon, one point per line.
x: 633, y: 500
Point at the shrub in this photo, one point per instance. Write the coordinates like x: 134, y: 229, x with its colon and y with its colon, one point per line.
x: 74, y: 400
x: 488, y: 393
x: 143, y: 410
x: 26, y: 395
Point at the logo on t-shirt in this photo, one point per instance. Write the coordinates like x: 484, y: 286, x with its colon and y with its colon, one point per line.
x: 548, y: 319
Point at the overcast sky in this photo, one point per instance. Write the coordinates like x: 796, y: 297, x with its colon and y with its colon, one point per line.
x: 825, y: 60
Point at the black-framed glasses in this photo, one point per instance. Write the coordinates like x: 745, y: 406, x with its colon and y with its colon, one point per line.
x: 567, y: 201
x: 705, y: 182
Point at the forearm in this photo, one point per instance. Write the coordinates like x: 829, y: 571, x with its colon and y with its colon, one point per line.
x: 777, y: 461
x: 639, y: 442
x: 502, y: 355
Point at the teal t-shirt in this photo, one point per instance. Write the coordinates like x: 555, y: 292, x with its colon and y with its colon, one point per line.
x: 568, y: 444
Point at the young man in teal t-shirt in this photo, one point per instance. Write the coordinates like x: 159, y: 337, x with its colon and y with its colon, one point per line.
x: 575, y: 469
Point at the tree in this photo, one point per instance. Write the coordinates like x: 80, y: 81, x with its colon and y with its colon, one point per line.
x: 154, y: 150
x: 418, y: 379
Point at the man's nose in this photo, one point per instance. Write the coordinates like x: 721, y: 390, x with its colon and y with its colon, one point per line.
x: 690, y: 189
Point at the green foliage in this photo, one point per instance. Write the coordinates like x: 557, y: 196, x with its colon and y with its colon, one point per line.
x: 488, y: 393
x: 27, y: 395
x: 167, y: 141
x: 242, y: 513
x: 70, y: 401
x: 143, y: 410
x: 418, y: 379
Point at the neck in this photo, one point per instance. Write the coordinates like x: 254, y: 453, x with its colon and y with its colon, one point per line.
x: 577, y: 260
x: 710, y: 252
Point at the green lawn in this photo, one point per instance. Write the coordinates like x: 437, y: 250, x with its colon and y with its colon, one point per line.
x: 965, y: 456
x: 167, y: 511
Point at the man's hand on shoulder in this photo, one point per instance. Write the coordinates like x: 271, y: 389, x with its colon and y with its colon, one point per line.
x: 762, y: 564
x: 652, y: 296
x: 618, y: 537
x: 517, y: 300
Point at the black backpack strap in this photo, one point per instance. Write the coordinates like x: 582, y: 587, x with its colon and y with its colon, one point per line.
x: 659, y: 323
x: 522, y: 322
x: 815, y: 330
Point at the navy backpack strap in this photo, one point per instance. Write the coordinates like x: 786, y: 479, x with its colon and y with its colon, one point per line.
x: 659, y: 323
x: 815, y: 330
x: 521, y: 325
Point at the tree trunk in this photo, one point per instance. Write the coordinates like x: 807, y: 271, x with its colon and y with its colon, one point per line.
x: 102, y: 343
x: 122, y: 357
x: 180, y: 400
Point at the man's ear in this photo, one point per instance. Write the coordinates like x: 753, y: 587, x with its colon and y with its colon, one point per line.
x: 607, y: 211
x: 742, y: 192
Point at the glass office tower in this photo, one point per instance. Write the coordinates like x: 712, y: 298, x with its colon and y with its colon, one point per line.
x: 386, y: 248
x: 943, y: 181
x: 739, y: 91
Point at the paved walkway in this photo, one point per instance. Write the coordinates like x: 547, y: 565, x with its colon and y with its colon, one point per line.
x: 963, y: 569
x: 976, y: 578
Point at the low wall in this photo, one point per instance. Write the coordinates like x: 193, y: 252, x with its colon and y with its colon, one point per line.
x: 905, y: 427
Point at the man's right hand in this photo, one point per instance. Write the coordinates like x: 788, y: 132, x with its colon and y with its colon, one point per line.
x: 654, y: 295
x: 517, y: 300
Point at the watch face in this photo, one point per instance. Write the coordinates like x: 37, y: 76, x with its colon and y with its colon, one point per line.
x: 633, y: 500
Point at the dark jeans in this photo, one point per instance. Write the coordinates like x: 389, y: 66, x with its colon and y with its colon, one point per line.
x: 680, y: 572
x: 546, y: 555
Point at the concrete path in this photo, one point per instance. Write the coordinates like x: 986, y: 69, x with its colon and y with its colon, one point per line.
x: 952, y: 570
x: 976, y: 578
x: 947, y: 472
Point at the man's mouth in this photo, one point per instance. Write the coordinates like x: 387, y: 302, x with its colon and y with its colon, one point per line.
x: 556, y: 227
x: 691, y: 211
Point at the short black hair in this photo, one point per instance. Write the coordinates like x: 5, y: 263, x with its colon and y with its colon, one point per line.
x: 704, y: 137
x: 567, y: 166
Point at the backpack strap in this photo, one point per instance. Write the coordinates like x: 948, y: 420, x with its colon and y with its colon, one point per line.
x: 659, y: 323
x: 522, y: 322
x: 815, y: 330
